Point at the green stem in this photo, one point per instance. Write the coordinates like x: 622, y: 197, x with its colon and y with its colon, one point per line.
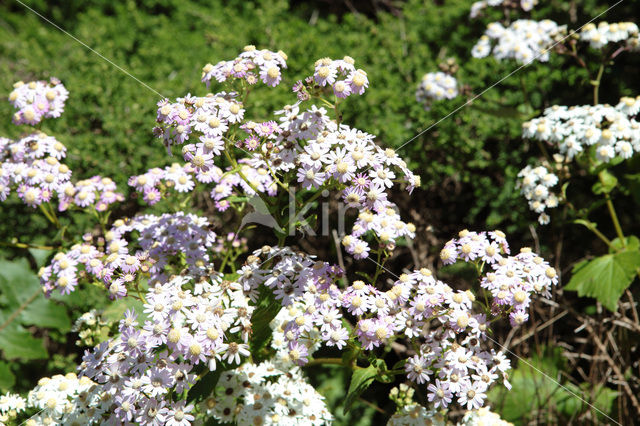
x: 600, y: 235
x: 27, y: 246
x: 614, y: 219
x: 315, y: 196
x: 612, y: 213
x: 379, y: 268
x: 326, y: 102
x: 44, y: 207
x: 544, y: 151
x: 335, y: 108
x: 330, y: 361
x: 596, y: 84
x: 142, y: 298
x: 21, y: 308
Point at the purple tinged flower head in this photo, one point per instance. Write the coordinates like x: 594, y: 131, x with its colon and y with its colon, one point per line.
x: 37, y: 100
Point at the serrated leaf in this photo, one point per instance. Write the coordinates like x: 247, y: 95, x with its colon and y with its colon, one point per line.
x: 606, y: 277
x: 360, y: 381
x: 7, y: 379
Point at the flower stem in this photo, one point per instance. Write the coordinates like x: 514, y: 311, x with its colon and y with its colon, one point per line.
x: 26, y: 246
x: 612, y: 213
x: 596, y: 84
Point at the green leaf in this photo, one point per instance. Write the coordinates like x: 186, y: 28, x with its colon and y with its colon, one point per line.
x: 267, y: 309
x: 40, y: 256
x: 46, y: 313
x: 536, y: 393
x: 360, y: 381
x: 7, y: 379
x: 606, y: 184
x: 19, y: 281
x: 16, y: 342
x: 349, y: 355
x: 632, y: 243
x: 606, y: 277
x: 205, y: 386
x: 383, y: 372
x: 24, y: 304
x: 116, y: 309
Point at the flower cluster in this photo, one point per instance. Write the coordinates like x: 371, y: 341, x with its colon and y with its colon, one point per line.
x: 415, y: 414
x: 305, y: 144
x: 99, y: 192
x: 436, y: 86
x: 536, y: 185
x: 524, y: 40
x: 250, y: 66
x: 514, y: 279
x: 114, y: 262
x: 603, y: 34
x: 11, y: 405
x: 188, y: 322
x: 208, y: 117
x: 155, y: 183
x: 66, y: 400
x: 263, y: 394
x: 479, y: 6
x: 200, y: 321
x: 325, y: 155
x: 280, y: 342
x: 91, y: 328
x: 37, y: 100
x: 321, y: 312
x: 606, y: 131
x: 341, y: 75
x: 32, y: 166
x: 482, y: 416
